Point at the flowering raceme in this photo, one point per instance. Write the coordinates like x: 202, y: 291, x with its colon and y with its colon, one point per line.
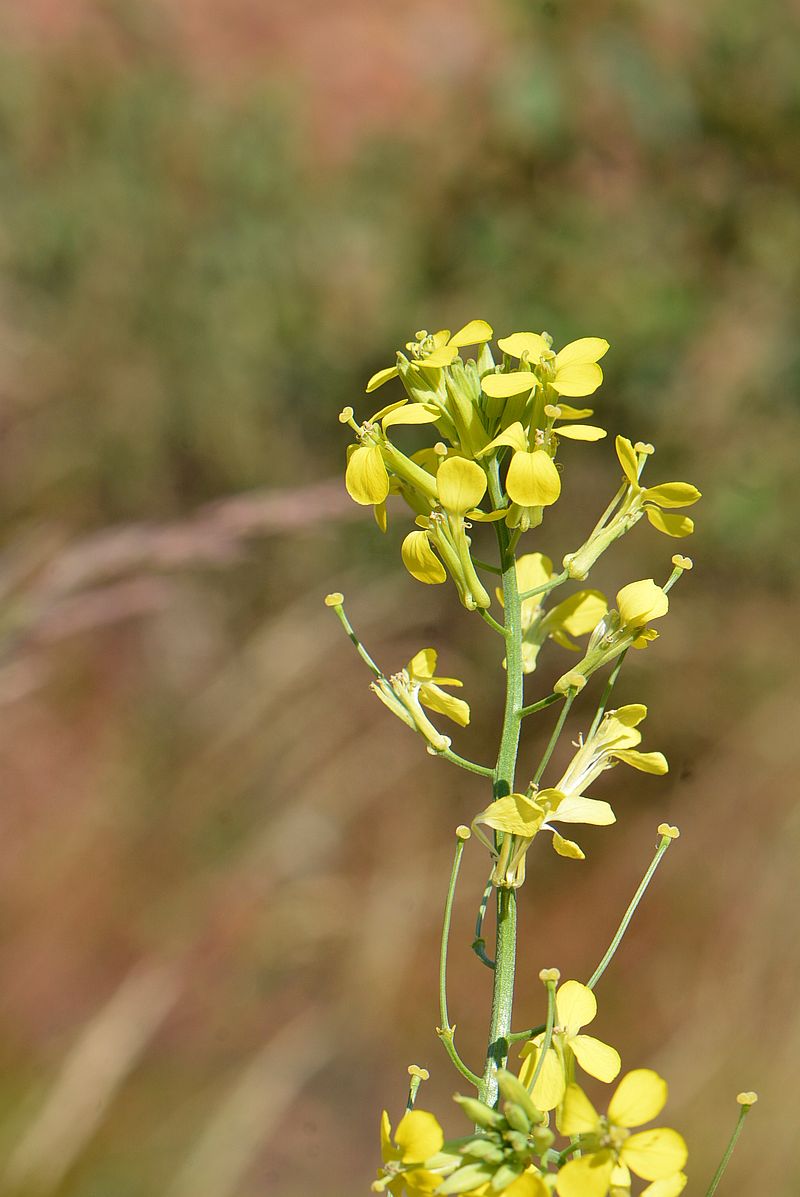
x: 499, y: 437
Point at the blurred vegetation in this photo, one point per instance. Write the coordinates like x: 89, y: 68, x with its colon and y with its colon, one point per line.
x: 195, y: 276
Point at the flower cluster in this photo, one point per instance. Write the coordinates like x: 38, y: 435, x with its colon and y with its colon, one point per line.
x: 497, y: 420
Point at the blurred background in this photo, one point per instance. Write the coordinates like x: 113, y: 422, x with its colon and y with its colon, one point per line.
x: 223, y: 863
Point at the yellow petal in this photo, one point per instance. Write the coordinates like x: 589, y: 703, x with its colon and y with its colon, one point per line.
x: 577, y: 379
x: 412, y: 413
x: 568, y: 848
x: 418, y: 1136
x: 550, y: 1085
x: 366, y: 478
x: 527, y: 1185
x: 477, y: 332
x: 577, y: 1115
x: 576, y: 1006
x: 514, y: 813
x: 631, y: 715
x: 533, y: 569
x: 439, y: 357
x: 627, y: 459
x: 580, y: 613
x: 533, y: 480
x: 525, y: 342
x: 640, y: 1096
x: 671, y: 1187
x: 514, y: 436
x: 461, y: 484
x: 645, y: 762
x: 586, y: 349
x: 673, y: 494
x: 580, y: 809
x: 574, y: 413
x: 670, y: 525
x: 388, y: 1150
x: 420, y: 559
x: 381, y: 518
x: 381, y: 377
x: 422, y: 665
x: 655, y: 1154
x: 581, y: 432
x: 639, y: 602
x: 503, y: 386
x: 587, y: 1177
x: 595, y: 1057
x: 446, y: 704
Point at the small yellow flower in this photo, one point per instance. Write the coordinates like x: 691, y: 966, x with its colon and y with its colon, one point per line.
x: 418, y: 1137
x: 575, y: 616
x: 576, y: 1007
x: 657, y: 1155
x: 435, y: 350
x: 572, y: 372
x: 640, y: 602
x: 417, y: 686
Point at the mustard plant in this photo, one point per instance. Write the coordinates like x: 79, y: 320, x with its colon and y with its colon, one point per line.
x: 500, y: 422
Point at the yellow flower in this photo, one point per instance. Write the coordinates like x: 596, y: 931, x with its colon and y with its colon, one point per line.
x: 576, y: 1007
x: 573, y: 371
x: 532, y: 480
x: 575, y: 616
x: 521, y: 818
x: 640, y: 602
x: 460, y: 486
x: 405, y: 693
x: 655, y: 1155
x: 615, y: 739
x: 418, y: 1137
x: 435, y: 350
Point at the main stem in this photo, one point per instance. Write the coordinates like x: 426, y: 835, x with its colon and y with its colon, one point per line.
x: 506, y: 935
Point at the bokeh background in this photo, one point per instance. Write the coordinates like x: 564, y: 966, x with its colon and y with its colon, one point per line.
x: 222, y: 862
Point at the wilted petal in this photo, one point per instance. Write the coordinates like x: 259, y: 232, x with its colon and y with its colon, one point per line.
x: 446, y: 704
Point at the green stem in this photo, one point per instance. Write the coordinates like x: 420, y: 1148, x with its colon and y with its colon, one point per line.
x: 666, y: 840
x: 518, y: 1036
x: 362, y: 652
x: 598, y: 715
x: 493, y: 569
x: 548, y: 1034
x: 492, y: 622
x: 479, y: 943
x: 548, y: 752
x: 445, y: 1031
x: 506, y: 932
x: 540, y: 705
x: 737, y: 1130
x: 546, y: 587
x: 463, y: 763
